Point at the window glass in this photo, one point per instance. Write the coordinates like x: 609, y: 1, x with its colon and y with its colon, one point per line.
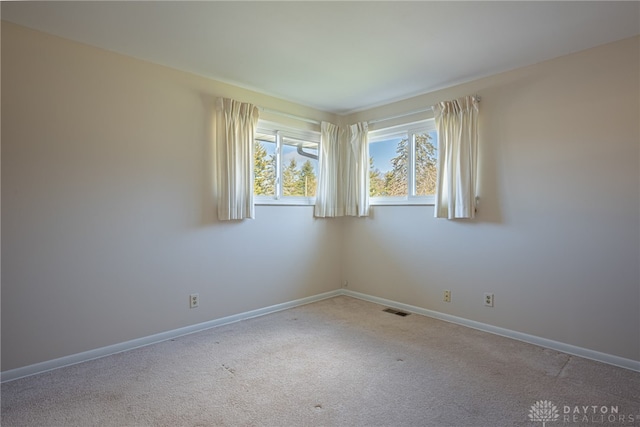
x: 265, y: 165
x: 426, y: 163
x: 299, y: 167
x: 403, y: 162
x: 285, y: 165
x: 388, y: 167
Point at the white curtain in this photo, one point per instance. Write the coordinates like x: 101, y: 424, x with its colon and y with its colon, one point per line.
x: 356, y: 171
x: 343, y: 177
x: 234, y: 128
x: 328, y: 192
x: 457, y: 124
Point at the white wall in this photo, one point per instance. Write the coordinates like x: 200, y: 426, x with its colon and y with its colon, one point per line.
x: 108, y: 221
x: 557, y: 234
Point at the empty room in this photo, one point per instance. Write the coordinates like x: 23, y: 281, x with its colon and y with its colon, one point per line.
x: 320, y: 213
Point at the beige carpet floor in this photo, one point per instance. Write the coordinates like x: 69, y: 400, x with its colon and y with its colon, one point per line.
x: 337, y: 362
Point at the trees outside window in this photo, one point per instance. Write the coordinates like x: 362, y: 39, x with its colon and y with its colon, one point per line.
x: 285, y: 166
x: 403, y: 164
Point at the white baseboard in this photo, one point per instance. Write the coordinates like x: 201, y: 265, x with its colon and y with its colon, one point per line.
x: 73, y: 359
x: 38, y: 368
x: 610, y: 359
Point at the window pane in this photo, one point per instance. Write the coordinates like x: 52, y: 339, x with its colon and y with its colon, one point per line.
x: 388, y: 162
x: 426, y: 156
x: 264, y: 167
x: 299, y: 167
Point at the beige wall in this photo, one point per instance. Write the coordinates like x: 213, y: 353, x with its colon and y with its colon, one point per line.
x: 108, y: 221
x: 557, y: 234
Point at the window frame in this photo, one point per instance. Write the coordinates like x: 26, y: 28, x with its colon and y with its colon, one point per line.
x: 410, y: 130
x: 281, y: 132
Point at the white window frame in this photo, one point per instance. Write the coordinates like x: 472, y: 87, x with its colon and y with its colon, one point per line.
x: 409, y: 130
x: 280, y: 132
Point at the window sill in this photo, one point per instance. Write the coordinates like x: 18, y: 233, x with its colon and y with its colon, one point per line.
x: 401, y: 201
x: 285, y: 201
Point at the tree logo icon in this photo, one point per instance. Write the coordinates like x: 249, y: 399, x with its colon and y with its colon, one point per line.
x: 545, y: 411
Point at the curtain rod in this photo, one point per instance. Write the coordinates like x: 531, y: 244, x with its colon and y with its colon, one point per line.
x: 410, y: 113
x: 316, y: 122
x: 291, y: 116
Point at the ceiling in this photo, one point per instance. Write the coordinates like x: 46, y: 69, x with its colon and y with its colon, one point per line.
x: 339, y: 57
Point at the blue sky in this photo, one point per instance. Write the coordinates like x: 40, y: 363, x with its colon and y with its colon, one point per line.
x: 382, y: 153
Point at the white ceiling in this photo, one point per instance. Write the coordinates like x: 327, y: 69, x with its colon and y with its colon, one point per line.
x: 336, y: 56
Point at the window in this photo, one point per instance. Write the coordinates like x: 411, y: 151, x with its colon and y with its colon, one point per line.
x: 285, y: 165
x: 403, y: 164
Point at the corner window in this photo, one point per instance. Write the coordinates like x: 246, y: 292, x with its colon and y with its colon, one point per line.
x: 403, y: 164
x: 285, y: 165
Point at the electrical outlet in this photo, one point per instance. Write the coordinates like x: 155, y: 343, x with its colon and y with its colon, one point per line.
x: 345, y: 283
x: 194, y: 300
x: 488, y: 300
x: 447, y: 296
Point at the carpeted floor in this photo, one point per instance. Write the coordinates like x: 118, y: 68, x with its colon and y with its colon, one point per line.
x: 337, y: 362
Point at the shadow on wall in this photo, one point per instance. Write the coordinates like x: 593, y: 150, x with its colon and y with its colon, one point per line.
x: 499, y: 104
x: 489, y: 209
x: 208, y: 210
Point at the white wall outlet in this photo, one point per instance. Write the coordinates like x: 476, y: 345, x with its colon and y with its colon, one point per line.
x: 447, y: 296
x: 345, y: 283
x: 488, y: 300
x: 194, y: 300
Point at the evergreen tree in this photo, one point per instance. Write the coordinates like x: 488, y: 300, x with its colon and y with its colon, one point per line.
x: 376, y: 181
x: 291, y: 180
x: 307, y: 183
x: 396, y: 179
x: 426, y: 165
x: 264, y: 169
x: 301, y: 182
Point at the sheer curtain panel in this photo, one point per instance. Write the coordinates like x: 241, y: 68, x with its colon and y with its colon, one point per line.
x: 328, y: 193
x: 234, y: 128
x: 457, y: 124
x: 356, y: 171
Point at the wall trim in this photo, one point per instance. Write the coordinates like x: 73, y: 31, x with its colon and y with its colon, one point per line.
x: 586, y: 353
x: 49, y: 365
x: 38, y: 368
